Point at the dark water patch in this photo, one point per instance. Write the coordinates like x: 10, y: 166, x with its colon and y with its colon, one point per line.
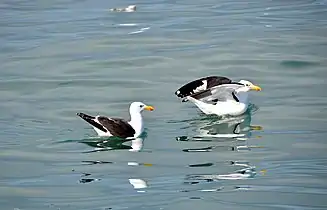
x: 298, y: 64
x: 246, y: 173
x: 218, y: 138
x: 88, y: 180
x: 94, y: 162
x: 206, y: 149
x: 195, y: 198
x: 103, y: 144
x: 223, y: 148
x: 113, y: 145
x: 201, y: 165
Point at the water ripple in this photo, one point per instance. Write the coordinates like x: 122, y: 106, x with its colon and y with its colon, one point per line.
x: 63, y: 56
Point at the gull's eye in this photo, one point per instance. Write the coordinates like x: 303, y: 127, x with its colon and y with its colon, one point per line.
x: 248, y: 85
x: 141, y: 106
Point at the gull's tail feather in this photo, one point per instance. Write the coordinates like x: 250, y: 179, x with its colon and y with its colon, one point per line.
x: 92, y: 120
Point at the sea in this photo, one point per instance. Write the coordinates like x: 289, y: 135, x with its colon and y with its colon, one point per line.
x: 67, y: 56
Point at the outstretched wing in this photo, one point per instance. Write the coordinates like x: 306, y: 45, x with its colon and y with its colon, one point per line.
x: 116, y: 126
x: 225, y: 92
x: 200, y: 85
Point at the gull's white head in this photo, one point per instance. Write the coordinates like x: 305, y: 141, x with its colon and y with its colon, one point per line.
x: 138, y: 107
x: 249, y: 86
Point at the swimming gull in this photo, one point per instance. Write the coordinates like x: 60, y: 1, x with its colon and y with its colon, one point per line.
x: 109, y: 126
x: 218, y: 95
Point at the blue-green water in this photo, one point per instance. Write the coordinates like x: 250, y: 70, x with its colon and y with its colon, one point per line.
x: 62, y: 57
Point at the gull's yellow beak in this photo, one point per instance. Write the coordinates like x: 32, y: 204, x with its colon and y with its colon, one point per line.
x: 256, y: 88
x: 149, y: 108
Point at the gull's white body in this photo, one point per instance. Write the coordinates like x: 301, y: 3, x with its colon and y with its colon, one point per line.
x: 228, y: 105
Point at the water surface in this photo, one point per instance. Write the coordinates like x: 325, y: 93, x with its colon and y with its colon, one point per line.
x: 63, y: 57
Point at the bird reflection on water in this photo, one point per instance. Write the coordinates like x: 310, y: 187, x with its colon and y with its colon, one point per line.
x: 233, y: 131
x: 208, y: 129
x: 114, y: 143
x: 248, y: 171
x: 212, y: 128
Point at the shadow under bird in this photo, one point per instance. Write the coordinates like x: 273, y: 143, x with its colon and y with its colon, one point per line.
x: 109, y: 126
x: 218, y: 95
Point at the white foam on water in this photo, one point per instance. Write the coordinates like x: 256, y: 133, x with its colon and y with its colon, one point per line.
x: 128, y: 24
x: 139, y: 31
